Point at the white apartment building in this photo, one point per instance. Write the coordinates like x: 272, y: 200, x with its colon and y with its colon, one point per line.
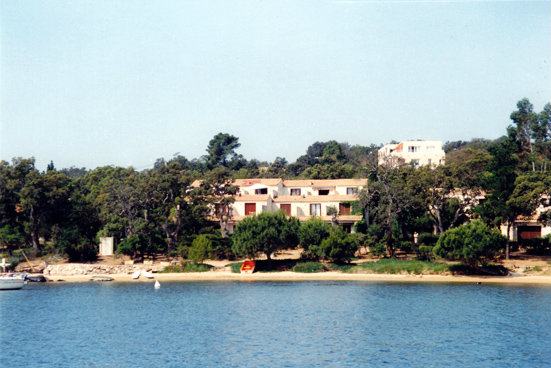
x: 303, y: 199
x: 417, y: 153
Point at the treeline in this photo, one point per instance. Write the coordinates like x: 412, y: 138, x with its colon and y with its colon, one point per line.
x: 158, y: 211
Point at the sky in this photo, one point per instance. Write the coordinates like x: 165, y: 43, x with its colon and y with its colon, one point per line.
x: 95, y: 83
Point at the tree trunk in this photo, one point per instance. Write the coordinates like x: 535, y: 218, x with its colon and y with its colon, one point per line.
x: 507, y: 243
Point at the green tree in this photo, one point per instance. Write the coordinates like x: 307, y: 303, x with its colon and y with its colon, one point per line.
x: 311, y: 234
x: 221, y: 150
x: 265, y: 233
x: 218, y: 190
x: 201, y: 249
x: 11, y: 238
x: 473, y: 243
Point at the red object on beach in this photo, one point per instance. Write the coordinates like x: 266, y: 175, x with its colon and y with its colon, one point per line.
x: 248, y: 267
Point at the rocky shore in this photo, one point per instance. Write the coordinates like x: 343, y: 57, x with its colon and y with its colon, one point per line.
x: 84, y: 269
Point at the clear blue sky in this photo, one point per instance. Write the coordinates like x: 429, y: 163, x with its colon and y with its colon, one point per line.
x: 93, y: 83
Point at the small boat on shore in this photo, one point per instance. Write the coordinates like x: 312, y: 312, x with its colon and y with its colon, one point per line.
x: 136, y: 275
x: 149, y: 275
x: 248, y: 267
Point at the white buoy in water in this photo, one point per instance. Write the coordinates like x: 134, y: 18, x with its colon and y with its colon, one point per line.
x: 157, y: 284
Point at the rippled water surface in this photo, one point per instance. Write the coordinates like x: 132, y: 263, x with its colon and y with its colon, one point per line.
x: 275, y: 324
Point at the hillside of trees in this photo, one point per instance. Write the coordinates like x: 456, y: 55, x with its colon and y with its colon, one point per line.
x: 157, y: 210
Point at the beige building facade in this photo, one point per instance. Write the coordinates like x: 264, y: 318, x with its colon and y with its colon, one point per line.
x: 303, y: 199
x: 417, y: 153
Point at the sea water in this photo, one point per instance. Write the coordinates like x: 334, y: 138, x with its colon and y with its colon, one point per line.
x: 275, y: 324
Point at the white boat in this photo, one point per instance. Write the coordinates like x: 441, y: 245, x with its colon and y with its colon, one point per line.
x: 157, y: 284
x: 136, y: 275
x: 149, y: 275
x: 11, y: 281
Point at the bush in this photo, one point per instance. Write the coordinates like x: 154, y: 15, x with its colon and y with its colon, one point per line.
x: 405, y: 246
x: 82, y: 252
x: 472, y: 243
x: 338, y: 247
x: 538, y: 246
x: 378, y: 250
x: 308, y: 267
x: 425, y: 253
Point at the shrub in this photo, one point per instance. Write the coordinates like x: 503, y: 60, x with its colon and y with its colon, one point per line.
x: 338, y: 247
x: 472, y: 243
x: 425, y: 253
x: 82, y: 252
x: 538, y: 246
x: 378, y: 250
x: 235, y: 266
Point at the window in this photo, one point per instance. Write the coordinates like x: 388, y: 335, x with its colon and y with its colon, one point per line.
x: 413, y: 148
x: 430, y: 148
x: 323, y: 192
x: 415, y: 162
x: 430, y: 161
x: 295, y: 192
x: 352, y: 191
x: 250, y: 209
x: 261, y: 191
x: 285, y: 208
x: 315, y: 209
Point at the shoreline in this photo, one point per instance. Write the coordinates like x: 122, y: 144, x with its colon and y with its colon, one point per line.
x: 288, y: 276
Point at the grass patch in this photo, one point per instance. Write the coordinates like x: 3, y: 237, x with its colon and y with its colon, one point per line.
x: 235, y: 267
x: 187, y: 267
x: 395, y: 266
x: 173, y: 269
x: 533, y: 269
x: 343, y: 267
x: 197, y: 267
x: 308, y: 267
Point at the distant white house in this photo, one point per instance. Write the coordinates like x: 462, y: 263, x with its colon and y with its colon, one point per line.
x: 417, y: 153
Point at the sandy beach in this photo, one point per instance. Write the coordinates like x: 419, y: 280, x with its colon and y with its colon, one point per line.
x: 288, y: 276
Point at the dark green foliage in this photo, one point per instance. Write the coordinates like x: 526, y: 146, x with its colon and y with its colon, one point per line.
x: 538, y: 246
x: 265, y: 233
x: 338, y: 247
x: 428, y: 239
x: 472, y: 243
x: 82, y: 252
x: 11, y: 238
x: 311, y: 234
